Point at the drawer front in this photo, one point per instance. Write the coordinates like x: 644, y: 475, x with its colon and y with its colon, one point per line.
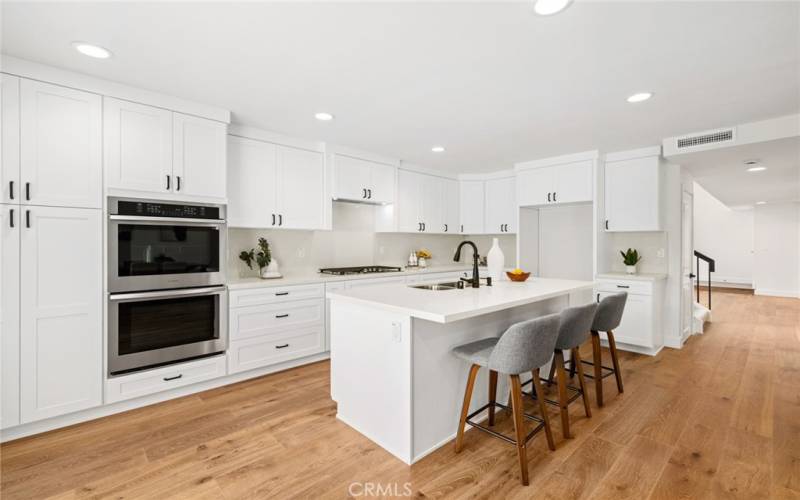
x: 254, y: 353
x: 162, y: 379
x: 630, y: 286
x: 260, y: 296
x: 270, y: 319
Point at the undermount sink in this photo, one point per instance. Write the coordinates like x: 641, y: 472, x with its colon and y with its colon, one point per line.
x: 455, y: 285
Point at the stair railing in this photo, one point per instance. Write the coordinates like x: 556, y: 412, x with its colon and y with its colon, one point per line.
x: 711, y: 268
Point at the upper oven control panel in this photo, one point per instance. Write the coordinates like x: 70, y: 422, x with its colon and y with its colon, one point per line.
x: 154, y: 209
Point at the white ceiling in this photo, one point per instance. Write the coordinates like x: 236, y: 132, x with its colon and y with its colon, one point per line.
x: 722, y: 172
x: 492, y: 82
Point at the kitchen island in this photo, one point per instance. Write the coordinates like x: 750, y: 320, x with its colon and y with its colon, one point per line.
x: 392, y: 373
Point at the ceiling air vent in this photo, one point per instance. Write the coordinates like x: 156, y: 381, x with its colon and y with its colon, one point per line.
x: 705, y: 138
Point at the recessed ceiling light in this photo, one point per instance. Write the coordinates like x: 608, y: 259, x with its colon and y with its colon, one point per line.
x: 639, y: 97
x: 90, y: 50
x: 325, y: 117
x: 438, y: 149
x: 756, y: 169
x: 761, y: 203
x: 550, y: 7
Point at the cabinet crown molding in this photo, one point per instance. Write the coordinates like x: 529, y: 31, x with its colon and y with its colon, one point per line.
x: 500, y: 174
x: 247, y: 132
x: 557, y: 160
x: 634, y: 153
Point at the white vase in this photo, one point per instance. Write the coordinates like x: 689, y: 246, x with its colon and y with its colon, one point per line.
x: 495, y: 261
x: 630, y: 269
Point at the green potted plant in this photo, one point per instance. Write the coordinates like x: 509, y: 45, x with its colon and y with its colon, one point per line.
x: 631, y: 258
x: 261, y: 258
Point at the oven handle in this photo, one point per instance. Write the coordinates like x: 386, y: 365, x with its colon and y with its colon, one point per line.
x: 167, y: 294
x: 176, y: 220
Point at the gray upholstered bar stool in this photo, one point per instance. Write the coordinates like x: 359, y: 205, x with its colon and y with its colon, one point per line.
x: 606, y: 319
x: 573, y: 330
x: 524, y: 347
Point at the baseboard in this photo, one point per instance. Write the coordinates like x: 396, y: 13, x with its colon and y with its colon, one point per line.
x: 778, y: 293
x: 673, y: 342
x: 622, y: 346
x: 50, y: 424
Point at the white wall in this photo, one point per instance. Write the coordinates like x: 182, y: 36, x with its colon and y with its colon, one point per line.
x: 652, y: 246
x: 725, y: 235
x: 776, y: 268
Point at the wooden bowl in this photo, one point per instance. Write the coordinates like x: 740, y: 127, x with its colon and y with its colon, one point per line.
x: 517, y: 277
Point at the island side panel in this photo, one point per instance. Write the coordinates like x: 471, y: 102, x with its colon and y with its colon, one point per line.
x: 371, y: 373
x: 439, y: 378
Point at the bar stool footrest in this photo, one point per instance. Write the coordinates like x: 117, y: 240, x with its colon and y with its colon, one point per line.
x: 494, y: 433
x: 575, y: 390
x: 608, y: 370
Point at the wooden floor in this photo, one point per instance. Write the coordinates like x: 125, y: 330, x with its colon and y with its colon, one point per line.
x: 717, y: 419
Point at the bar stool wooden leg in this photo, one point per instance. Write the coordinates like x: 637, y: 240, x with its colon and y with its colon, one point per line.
x: 576, y: 362
x: 516, y: 405
x: 572, y: 368
x: 552, y: 371
x: 563, y: 399
x: 473, y: 373
x: 543, y: 408
x: 598, y: 367
x: 492, y: 395
x: 612, y: 346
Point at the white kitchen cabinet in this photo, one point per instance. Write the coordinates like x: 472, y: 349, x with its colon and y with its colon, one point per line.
x: 9, y: 315
x: 60, y: 146
x: 422, y: 201
x: 640, y: 329
x: 409, y: 201
x: 358, y: 179
x: 9, y: 142
x: 137, y: 141
x: 432, y: 204
x: 472, y: 206
x: 60, y: 311
x: 274, y: 186
x: 535, y: 186
x: 555, y: 184
x: 199, y: 156
x: 501, y: 206
x: 633, y: 193
x: 451, y: 207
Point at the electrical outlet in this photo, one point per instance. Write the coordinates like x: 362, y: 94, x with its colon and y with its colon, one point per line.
x: 660, y: 253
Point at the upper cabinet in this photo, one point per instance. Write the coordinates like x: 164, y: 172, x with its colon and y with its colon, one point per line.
x: 426, y: 203
x: 157, y: 151
x: 471, y: 206
x: 541, y: 184
x: 451, y: 217
x: 633, y: 191
x: 500, y: 206
x: 55, y: 157
x: 273, y: 185
x: 363, y: 180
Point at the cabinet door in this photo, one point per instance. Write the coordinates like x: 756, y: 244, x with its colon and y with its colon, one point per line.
x: 471, y: 207
x: 61, y: 312
x: 199, y: 156
x: 9, y: 131
x: 631, y: 195
x: 351, y: 178
x: 61, y: 145
x: 409, y: 201
x: 137, y: 142
x: 9, y: 315
x: 252, y: 170
x: 500, y: 206
x: 382, y: 183
x: 535, y: 186
x: 636, y: 326
x: 573, y: 182
x: 432, y: 204
x: 301, y: 188
x: 451, y: 219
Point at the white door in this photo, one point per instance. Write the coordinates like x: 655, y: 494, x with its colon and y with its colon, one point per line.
x: 61, y: 311
x: 61, y: 145
x: 382, y: 183
x: 535, y: 186
x: 351, y: 177
x: 451, y: 206
x: 573, y: 182
x: 472, y: 205
x: 9, y: 131
x: 687, y: 256
x: 636, y: 326
x: 9, y: 315
x: 252, y: 170
x: 199, y: 156
x: 137, y: 142
x: 300, y: 188
x: 432, y: 204
x: 500, y: 206
x: 409, y: 201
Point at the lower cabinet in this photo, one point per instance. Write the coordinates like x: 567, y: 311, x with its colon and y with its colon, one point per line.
x: 641, y: 325
x: 162, y: 379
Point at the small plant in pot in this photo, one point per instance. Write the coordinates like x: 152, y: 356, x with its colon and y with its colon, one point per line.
x: 261, y: 258
x: 631, y: 258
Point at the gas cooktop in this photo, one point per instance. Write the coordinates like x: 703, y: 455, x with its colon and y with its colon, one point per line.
x: 342, y: 271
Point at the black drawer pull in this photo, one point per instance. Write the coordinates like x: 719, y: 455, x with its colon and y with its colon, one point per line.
x: 176, y: 377
x: 281, y: 293
x: 281, y: 346
x: 11, y: 218
x: 11, y: 189
x: 282, y: 315
x: 623, y: 286
x: 28, y: 191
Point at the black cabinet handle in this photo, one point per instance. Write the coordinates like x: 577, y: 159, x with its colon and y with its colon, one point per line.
x: 365, y: 193
x: 554, y: 196
x: 281, y: 293
x: 178, y: 180
x: 282, y: 315
x: 548, y: 197
x: 445, y: 228
x: 273, y: 219
x: 281, y: 346
x: 28, y: 191
x: 419, y: 224
x: 11, y: 189
x: 598, y: 297
x: 369, y: 191
x: 168, y: 183
x: 176, y: 377
x: 423, y: 227
x: 462, y: 228
x: 28, y: 219
x: 280, y: 219
x: 11, y: 218
x: 606, y: 224
x: 623, y: 286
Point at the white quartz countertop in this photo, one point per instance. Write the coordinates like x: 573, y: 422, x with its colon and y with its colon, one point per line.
x: 632, y: 277
x: 446, y: 306
x: 312, y: 276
